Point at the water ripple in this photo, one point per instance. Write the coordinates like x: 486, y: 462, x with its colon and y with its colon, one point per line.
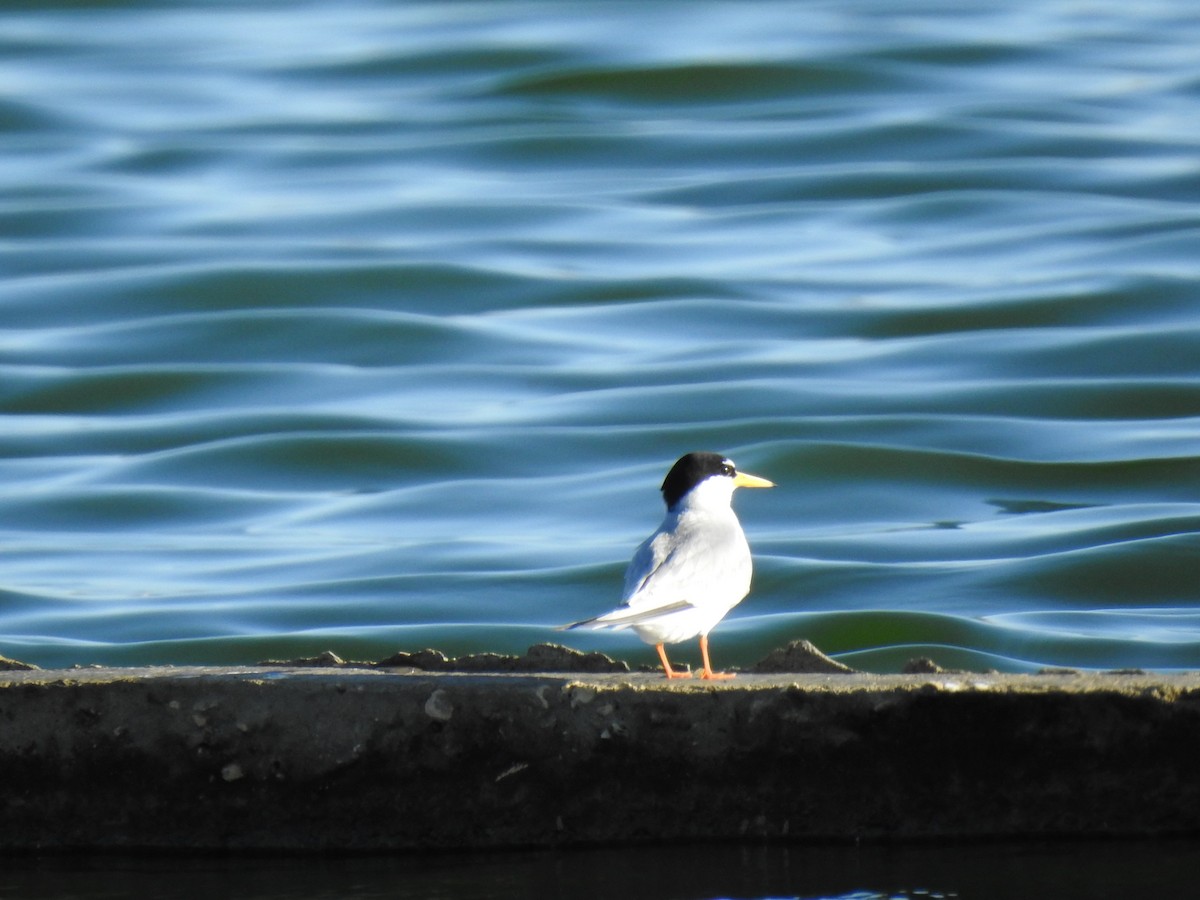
x: 381, y: 331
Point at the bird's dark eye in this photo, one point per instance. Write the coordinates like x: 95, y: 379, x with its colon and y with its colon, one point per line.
x: 727, y: 469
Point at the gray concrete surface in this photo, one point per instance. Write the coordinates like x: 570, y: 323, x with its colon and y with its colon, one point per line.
x: 343, y: 758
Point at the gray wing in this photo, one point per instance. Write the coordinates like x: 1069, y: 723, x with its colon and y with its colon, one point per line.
x: 675, y: 570
x: 641, y: 599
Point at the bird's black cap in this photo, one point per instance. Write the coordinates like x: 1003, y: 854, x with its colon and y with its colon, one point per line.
x: 689, y: 471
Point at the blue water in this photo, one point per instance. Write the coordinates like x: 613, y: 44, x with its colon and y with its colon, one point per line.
x: 1108, y: 871
x: 369, y: 326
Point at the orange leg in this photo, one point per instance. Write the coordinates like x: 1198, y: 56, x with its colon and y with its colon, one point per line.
x: 671, y: 673
x: 708, y: 672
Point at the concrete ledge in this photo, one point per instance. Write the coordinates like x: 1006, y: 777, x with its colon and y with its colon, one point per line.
x: 345, y: 758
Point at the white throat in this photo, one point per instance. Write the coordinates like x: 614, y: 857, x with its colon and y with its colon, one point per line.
x: 714, y: 494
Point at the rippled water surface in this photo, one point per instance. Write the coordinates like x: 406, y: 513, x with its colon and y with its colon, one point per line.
x: 1105, y: 871
x: 370, y: 326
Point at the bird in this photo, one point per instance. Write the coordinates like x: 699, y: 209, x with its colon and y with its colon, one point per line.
x: 694, y: 569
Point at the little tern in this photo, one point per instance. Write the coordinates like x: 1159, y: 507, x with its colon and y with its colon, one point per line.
x: 694, y: 569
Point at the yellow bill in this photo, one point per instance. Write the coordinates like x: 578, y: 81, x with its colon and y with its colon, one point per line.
x: 745, y: 479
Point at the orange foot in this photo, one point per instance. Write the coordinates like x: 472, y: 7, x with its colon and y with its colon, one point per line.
x: 707, y: 671
x: 671, y: 673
